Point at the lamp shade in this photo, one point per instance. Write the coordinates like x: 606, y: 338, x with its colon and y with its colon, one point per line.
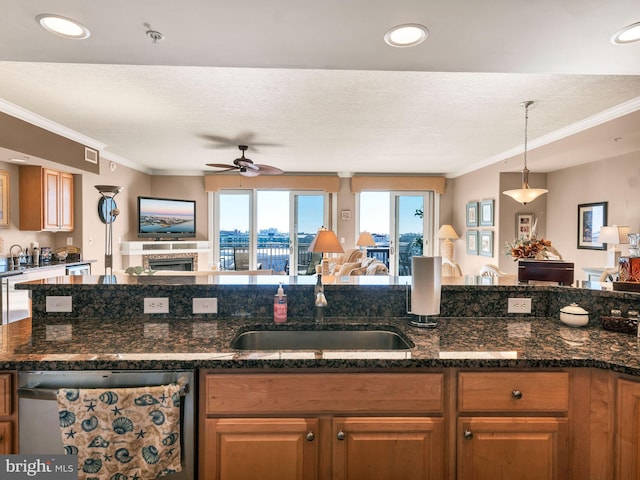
x: 525, y: 194
x: 447, y: 232
x: 614, y: 234
x: 325, y: 241
x: 365, y: 240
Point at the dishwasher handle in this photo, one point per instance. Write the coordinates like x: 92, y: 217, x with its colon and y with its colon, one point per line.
x: 35, y: 393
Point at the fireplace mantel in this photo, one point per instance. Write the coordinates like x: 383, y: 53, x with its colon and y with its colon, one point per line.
x: 134, y: 253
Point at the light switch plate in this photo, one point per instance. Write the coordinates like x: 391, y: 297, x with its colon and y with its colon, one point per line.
x: 156, y: 305
x: 58, y: 303
x: 205, y: 305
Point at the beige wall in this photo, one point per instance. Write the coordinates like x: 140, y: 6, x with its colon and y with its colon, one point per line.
x: 90, y: 229
x: 614, y: 180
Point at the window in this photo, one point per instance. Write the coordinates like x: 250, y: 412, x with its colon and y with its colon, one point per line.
x: 254, y: 229
x: 397, y: 222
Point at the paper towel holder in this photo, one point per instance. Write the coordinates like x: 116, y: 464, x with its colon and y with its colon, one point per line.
x: 422, y: 321
x: 425, y: 279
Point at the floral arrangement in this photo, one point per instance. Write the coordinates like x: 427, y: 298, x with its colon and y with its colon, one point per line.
x: 530, y: 248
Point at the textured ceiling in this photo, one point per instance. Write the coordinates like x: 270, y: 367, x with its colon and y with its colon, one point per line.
x: 315, y: 82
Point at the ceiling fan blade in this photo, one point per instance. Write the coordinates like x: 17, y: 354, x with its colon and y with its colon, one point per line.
x: 268, y: 169
x: 250, y: 173
x: 221, y: 165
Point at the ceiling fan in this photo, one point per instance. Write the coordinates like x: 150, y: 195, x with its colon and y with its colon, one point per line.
x: 246, y: 166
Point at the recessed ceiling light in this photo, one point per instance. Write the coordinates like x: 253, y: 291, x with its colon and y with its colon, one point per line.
x: 18, y: 160
x: 62, y: 26
x: 630, y: 33
x: 407, y: 35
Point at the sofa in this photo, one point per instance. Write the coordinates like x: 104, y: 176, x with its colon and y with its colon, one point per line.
x: 354, y: 262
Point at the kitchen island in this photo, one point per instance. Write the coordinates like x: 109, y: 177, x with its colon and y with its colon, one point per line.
x: 561, y: 395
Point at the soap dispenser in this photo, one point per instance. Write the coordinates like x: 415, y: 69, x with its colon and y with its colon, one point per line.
x: 280, y: 306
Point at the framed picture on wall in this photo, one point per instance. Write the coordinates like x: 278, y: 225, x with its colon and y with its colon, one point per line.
x: 591, y: 218
x: 472, y: 214
x: 524, y: 225
x: 486, y: 243
x: 4, y: 199
x: 472, y: 242
x: 486, y: 213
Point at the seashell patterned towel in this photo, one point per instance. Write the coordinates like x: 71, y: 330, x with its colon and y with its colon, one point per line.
x: 122, y: 432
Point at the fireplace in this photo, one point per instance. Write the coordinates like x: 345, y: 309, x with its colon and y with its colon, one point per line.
x: 182, y: 263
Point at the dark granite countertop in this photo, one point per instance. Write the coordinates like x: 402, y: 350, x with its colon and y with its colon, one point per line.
x: 70, y: 344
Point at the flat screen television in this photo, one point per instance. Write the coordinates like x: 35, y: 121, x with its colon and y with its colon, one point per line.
x: 166, y: 218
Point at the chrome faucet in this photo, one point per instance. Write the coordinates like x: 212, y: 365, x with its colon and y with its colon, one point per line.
x: 320, y: 300
x: 15, y: 261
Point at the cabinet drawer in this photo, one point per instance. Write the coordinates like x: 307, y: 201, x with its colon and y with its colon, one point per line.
x: 513, y: 391
x: 251, y: 394
x: 5, y: 394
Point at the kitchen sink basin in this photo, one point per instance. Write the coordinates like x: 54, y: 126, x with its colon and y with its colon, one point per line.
x: 320, y: 340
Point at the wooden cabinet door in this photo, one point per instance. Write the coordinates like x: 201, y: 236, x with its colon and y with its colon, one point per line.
x: 507, y: 448
x: 383, y: 448
x: 6, y: 438
x: 259, y: 448
x: 58, y: 200
x: 65, y: 201
x: 628, y: 431
x: 51, y: 209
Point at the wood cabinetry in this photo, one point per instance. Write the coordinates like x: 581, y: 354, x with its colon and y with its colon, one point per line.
x: 513, y: 425
x: 46, y: 199
x: 628, y: 430
x: 322, y: 426
x: 8, y: 420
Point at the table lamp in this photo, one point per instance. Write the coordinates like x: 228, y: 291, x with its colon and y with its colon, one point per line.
x: 613, y: 235
x: 365, y: 240
x: 447, y: 233
x: 325, y: 242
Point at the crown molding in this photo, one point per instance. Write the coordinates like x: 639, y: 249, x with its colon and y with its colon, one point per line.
x: 42, y: 122
x: 605, y: 116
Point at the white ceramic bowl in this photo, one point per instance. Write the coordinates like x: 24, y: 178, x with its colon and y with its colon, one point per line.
x: 574, y: 316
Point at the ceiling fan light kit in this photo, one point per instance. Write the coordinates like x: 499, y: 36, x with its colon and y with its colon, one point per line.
x: 246, y: 166
x: 525, y: 194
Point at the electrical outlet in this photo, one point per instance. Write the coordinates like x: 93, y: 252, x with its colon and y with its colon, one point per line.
x: 69, y: 240
x: 519, y: 305
x: 57, y: 303
x: 156, y: 305
x: 205, y: 305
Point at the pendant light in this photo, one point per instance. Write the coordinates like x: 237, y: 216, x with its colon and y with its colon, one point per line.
x: 525, y: 194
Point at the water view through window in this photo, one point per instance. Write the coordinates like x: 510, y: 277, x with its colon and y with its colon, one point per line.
x: 275, y: 247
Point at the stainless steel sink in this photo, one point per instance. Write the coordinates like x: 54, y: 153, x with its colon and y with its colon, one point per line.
x: 320, y: 340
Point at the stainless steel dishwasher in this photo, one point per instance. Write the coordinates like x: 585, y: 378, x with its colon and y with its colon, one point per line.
x: 39, y: 431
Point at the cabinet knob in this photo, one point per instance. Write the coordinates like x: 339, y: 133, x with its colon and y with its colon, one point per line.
x: 310, y: 437
x: 340, y: 435
x: 517, y: 394
x: 468, y: 434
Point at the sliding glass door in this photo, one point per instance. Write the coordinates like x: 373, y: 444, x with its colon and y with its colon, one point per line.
x: 398, y: 222
x: 267, y: 229
x: 310, y: 212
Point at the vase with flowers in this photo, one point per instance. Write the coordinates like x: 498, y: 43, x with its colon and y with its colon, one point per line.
x: 532, y: 248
